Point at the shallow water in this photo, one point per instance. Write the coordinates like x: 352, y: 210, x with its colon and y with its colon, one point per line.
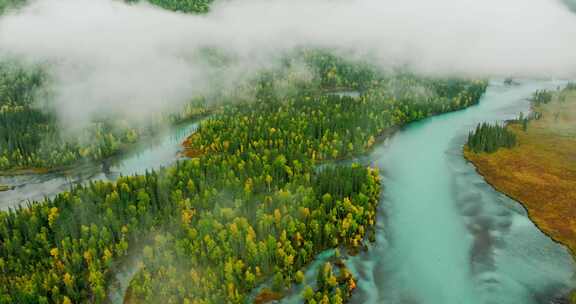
x: 444, y: 236
x: 160, y: 152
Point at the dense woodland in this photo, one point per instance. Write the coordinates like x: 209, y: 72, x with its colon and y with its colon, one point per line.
x: 29, y: 134
x: 250, y: 207
x: 31, y: 138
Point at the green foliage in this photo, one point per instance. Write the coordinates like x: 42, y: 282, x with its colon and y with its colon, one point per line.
x: 542, y: 97
x: 490, y: 137
x: 324, y: 127
x: 334, y: 284
x: 30, y: 136
x: 226, y: 241
x: 10, y: 4
x: 185, y: 6
x: 332, y: 71
x: 250, y: 207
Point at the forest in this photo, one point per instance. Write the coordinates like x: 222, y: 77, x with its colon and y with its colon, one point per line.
x: 32, y: 139
x: 30, y: 136
x: 249, y: 207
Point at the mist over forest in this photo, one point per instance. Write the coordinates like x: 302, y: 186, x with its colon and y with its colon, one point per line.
x: 287, y: 151
x: 93, y: 46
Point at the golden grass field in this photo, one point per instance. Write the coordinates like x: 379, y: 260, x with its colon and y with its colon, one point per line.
x: 540, y: 172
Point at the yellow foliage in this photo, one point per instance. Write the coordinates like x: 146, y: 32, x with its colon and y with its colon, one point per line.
x: 277, y: 216
x: 52, y: 216
x: 68, y: 280
x: 187, y: 216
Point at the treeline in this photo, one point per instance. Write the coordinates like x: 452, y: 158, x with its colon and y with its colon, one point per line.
x: 489, y: 138
x: 185, y: 6
x: 541, y: 97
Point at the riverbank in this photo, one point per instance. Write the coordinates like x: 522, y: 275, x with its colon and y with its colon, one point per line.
x: 438, y: 216
x: 540, y: 171
x: 123, y: 150
x: 149, y: 155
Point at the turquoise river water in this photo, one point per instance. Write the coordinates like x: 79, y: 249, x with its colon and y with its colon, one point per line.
x: 444, y: 235
x: 160, y: 151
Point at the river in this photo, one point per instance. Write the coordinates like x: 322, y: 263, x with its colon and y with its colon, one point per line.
x: 157, y: 152
x: 444, y: 236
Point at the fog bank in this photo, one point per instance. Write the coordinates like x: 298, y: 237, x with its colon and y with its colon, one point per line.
x: 137, y: 59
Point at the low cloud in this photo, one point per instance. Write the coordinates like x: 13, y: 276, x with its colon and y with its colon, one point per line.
x: 108, y: 56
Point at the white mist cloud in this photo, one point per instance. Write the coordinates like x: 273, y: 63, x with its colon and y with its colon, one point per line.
x: 109, y: 56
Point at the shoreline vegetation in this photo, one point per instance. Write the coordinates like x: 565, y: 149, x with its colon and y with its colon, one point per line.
x: 88, y: 164
x: 539, y: 169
